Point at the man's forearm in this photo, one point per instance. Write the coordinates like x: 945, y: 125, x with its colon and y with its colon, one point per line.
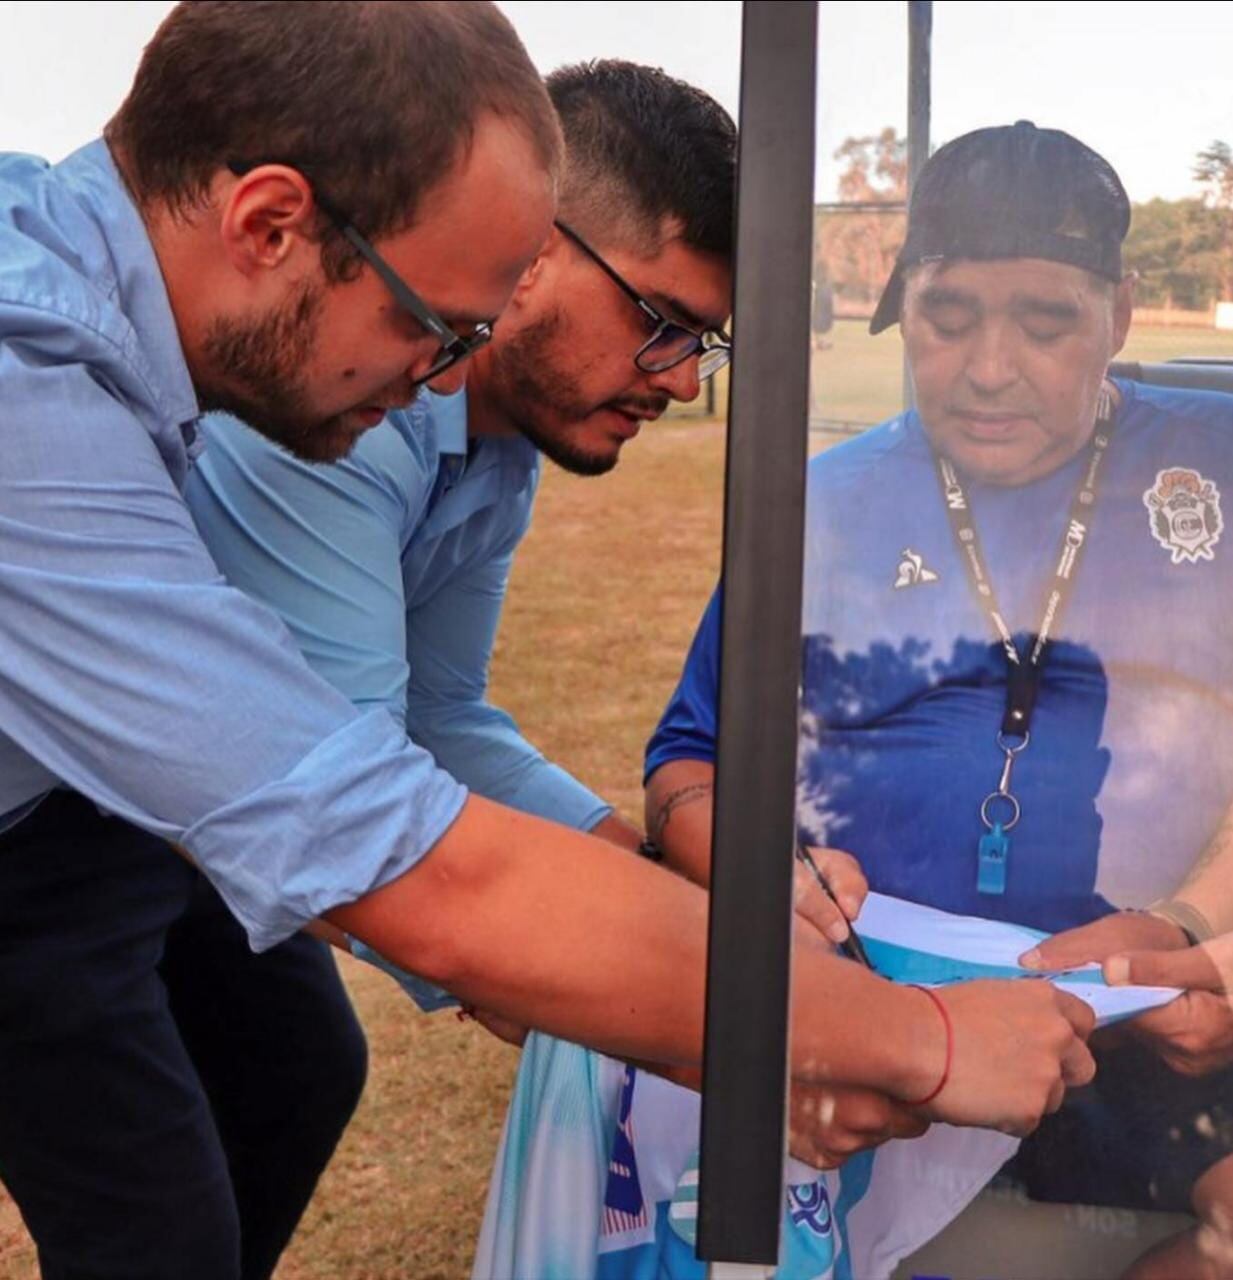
x: 619, y: 831
x: 562, y: 932
x: 679, y: 813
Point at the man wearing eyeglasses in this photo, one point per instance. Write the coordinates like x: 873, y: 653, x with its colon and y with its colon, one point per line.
x: 390, y: 568
x: 206, y: 254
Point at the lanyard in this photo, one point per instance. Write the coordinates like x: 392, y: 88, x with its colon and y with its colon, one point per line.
x: 1000, y: 809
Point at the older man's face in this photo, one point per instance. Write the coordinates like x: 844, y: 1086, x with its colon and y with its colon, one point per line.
x: 1007, y: 359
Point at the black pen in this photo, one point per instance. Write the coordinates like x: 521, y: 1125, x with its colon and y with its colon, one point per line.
x: 852, y: 947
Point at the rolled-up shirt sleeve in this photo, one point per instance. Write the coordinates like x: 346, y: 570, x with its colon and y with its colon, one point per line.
x: 135, y: 674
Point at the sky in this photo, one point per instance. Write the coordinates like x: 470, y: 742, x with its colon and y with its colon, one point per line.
x: 1147, y: 89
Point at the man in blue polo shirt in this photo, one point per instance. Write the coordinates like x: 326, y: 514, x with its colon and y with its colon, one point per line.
x: 1016, y: 625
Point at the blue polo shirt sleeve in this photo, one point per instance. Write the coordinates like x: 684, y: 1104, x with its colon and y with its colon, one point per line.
x: 324, y: 547
x: 135, y: 674
x: 687, y: 729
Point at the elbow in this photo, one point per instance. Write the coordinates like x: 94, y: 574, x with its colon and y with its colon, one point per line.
x: 434, y: 920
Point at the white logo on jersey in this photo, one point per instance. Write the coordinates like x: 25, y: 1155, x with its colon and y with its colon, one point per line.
x: 1183, y: 511
x: 912, y: 570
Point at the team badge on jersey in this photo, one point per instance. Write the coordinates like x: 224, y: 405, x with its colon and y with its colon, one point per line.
x: 1184, y: 512
x: 912, y: 570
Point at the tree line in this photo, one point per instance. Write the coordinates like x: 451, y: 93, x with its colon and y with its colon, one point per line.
x: 1181, y: 249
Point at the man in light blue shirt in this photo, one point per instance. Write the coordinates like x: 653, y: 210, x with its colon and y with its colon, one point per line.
x: 390, y: 567
x: 218, y: 252
x: 167, y: 1101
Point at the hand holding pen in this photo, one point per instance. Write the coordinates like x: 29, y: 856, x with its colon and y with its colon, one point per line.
x: 843, y: 886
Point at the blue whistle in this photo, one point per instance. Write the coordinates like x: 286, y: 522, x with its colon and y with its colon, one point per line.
x: 992, y: 854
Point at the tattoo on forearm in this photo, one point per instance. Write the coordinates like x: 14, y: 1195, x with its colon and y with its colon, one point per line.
x: 674, y: 800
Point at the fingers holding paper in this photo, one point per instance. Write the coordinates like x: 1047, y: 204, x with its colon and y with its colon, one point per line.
x: 1017, y: 1047
x: 1207, y: 967
x: 1093, y: 943
x: 1194, y: 1034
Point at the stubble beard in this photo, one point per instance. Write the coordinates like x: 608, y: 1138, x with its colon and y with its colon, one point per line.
x: 254, y: 371
x: 534, y: 391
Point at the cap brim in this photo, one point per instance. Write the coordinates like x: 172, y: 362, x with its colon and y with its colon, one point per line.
x: 889, y: 304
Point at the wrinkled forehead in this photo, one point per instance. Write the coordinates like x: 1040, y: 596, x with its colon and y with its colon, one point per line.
x: 1002, y: 283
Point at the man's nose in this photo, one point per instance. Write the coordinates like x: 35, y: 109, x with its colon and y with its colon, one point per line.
x: 681, y: 382
x: 991, y: 365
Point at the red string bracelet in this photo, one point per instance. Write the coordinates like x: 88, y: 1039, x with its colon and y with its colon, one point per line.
x: 950, y: 1046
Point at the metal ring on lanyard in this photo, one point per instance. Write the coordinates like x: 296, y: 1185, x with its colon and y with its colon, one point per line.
x: 999, y: 795
x: 1003, y: 791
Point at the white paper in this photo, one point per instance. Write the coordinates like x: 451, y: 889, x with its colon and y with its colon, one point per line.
x: 913, y: 943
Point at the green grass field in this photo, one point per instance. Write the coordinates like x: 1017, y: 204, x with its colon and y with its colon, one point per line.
x: 605, y: 595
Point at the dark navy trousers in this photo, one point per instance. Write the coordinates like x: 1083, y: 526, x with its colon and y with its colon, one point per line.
x: 167, y: 1098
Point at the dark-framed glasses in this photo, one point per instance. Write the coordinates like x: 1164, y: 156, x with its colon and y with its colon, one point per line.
x: 454, y: 346
x: 670, y: 343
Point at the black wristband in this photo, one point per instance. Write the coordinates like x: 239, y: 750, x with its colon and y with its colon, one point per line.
x: 650, y: 850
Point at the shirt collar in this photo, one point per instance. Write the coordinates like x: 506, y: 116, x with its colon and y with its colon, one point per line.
x: 92, y: 175
x: 449, y: 420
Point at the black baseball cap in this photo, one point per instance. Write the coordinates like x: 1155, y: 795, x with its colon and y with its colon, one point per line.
x: 1014, y: 191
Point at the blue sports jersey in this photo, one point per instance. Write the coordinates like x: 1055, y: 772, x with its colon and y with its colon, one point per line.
x: 1128, y: 772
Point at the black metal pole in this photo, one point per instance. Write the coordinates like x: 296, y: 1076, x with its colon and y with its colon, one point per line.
x: 920, y: 101
x: 745, y: 1064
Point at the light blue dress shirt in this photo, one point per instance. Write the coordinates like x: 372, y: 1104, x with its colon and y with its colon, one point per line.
x: 390, y: 570
x: 129, y: 669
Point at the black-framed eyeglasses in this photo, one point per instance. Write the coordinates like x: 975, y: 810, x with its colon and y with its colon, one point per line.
x: 454, y: 346
x: 670, y: 343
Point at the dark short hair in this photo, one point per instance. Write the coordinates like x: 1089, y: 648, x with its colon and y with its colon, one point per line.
x: 642, y: 147
x: 373, y: 100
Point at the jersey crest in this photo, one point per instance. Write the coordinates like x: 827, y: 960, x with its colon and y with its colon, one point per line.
x: 1183, y: 511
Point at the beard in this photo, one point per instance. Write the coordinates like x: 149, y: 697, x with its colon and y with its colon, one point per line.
x: 254, y: 370
x: 543, y: 402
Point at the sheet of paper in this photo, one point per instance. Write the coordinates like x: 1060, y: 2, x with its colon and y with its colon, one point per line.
x: 912, y: 943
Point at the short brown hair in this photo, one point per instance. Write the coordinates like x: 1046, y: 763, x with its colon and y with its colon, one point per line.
x: 374, y: 100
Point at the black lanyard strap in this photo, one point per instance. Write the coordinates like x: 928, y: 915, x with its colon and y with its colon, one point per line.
x: 1024, y: 671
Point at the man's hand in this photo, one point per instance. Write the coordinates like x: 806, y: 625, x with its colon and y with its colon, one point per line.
x: 1093, y: 943
x: 1018, y: 1046
x: 1194, y: 1034
x: 842, y: 872
x: 829, y: 1123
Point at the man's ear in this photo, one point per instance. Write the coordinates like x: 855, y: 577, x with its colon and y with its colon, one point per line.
x: 1123, y: 308
x: 530, y: 278
x: 534, y: 280
x: 267, y: 214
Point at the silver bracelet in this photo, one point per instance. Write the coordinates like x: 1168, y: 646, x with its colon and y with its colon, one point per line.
x: 1189, y: 919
